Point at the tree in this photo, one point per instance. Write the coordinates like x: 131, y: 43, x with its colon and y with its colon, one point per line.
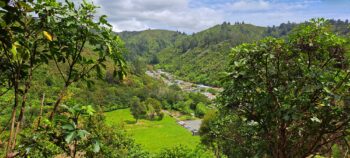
x: 154, y: 60
x: 149, y: 109
x: 201, y: 109
x: 154, y: 108
x: 139, y: 65
x: 20, y: 39
x: 186, y: 107
x: 59, y: 34
x: 74, y: 28
x: 138, y: 109
x: 208, y: 132
x: 288, y: 98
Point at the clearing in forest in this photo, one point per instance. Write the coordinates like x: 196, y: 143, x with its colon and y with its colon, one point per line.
x: 153, y: 135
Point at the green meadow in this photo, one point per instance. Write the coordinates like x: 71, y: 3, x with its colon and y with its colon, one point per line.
x: 153, y: 135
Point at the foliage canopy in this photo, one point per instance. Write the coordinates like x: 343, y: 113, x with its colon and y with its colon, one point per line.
x: 286, y: 98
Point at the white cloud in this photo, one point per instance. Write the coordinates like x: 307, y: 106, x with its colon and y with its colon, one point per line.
x: 269, y: 12
x: 131, y: 24
x: 252, y: 6
x: 196, y: 15
x: 143, y: 14
x: 249, y: 5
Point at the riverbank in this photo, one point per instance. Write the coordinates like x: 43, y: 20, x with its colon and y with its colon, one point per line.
x: 169, y: 79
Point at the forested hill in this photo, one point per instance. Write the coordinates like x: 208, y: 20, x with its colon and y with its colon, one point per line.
x: 148, y: 43
x: 201, y: 57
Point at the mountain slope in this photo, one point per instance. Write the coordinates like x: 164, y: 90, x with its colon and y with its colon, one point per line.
x: 147, y: 43
x: 203, y: 56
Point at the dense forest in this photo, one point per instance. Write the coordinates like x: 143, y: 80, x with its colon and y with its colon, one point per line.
x: 71, y: 87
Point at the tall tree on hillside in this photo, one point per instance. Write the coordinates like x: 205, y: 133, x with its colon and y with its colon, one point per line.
x: 154, y: 108
x: 286, y: 98
x: 138, y: 109
x: 154, y: 60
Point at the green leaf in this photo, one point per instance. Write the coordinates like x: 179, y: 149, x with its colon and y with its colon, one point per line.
x: 286, y: 117
x: 103, y: 19
x: 64, y: 106
x: 327, y: 90
x: 89, y: 110
x: 315, y: 119
x: 14, y: 50
x: 82, y: 133
x: 96, y: 146
x: 109, y: 48
x: 68, y: 127
x: 25, y: 6
x: 70, y: 137
x: 47, y: 122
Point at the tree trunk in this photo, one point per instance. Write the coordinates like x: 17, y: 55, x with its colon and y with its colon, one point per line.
x: 21, y: 115
x: 15, y: 135
x: 23, y: 106
x: 41, y: 109
x: 9, y: 147
x: 58, y: 101
x: 75, y: 149
x: 280, y: 147
x: 218, y: 151
x: 13, y: 118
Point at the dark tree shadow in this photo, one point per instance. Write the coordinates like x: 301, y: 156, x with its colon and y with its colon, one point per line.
x: 130, y: 122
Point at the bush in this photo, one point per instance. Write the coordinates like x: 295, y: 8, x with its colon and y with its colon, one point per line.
x: 184, y: 152
x: 212, y: 91
x: 336, y: 152
x: 176, y: 152
x: 201, y: 109
x: 282, y: 93
x: 186, y: 109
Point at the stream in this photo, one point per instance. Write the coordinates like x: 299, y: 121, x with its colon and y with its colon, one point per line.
x: 170, y: 79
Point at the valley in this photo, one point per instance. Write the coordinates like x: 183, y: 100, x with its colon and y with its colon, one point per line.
x: 169, y: 79
x: 144, y: 82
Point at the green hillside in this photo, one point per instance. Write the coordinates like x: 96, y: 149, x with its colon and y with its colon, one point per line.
x: 148, y: 43
x: 203, y: 56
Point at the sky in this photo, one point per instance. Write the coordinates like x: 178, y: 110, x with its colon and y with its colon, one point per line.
x: 197, y: 15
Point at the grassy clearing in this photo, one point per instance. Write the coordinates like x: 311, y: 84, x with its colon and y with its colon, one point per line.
x: 153, y: 135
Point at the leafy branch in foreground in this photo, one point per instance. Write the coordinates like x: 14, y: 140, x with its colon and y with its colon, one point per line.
x: 20, y: 43
x: 58, y: 35
x: 73, y: 28
x: 285, y: 98
x: 78, y: 132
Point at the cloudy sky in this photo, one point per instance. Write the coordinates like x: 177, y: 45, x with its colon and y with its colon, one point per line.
x: 196, y: 15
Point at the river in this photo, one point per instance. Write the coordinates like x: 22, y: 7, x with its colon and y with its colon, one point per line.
x: 170, y: 79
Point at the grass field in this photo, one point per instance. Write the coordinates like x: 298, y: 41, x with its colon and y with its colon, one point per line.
x: 153, y: 135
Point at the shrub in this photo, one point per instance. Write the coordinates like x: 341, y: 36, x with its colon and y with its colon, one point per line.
x: 201, y: 109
